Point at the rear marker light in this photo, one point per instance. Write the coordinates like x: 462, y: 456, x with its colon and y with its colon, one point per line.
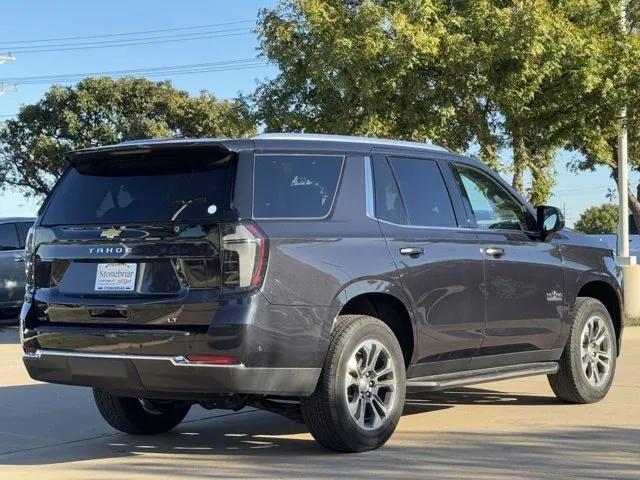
x: 211, y: 359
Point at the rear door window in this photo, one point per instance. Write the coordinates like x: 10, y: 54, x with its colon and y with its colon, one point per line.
x: 424, y: 193
x: 8, y: 237
x: 181, y: 185
x: 295, y: 186
x: 389, y: 205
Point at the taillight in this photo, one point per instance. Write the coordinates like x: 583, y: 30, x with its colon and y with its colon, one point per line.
x: 244, y: 254
x: 29, y: 259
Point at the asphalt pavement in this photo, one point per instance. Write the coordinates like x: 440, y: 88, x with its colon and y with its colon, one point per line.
x: 504, y: 430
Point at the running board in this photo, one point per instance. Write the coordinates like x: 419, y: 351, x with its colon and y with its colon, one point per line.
x: 484, y: 375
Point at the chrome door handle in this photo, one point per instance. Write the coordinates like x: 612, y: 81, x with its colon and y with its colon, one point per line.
x: 411, y: 251
x: 494, y: 252
x: 18, y: 259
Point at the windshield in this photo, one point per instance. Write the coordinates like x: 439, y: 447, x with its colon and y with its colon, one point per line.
x: 180, y: 186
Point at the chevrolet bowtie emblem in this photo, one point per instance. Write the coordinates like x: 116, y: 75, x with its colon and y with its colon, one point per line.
x: 111, y: 233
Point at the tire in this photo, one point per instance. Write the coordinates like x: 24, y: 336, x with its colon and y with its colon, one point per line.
x: 575, y: 381
x: 130, y: 416
x: 344, y: 386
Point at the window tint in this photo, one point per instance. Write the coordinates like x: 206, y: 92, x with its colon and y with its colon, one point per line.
x: 389, y: 204
x: 184, y: 185
x: 491, y: 204
x: 424, y: 192
x: 23, y: 230
x: 295, y: 186
x: 8, y: 237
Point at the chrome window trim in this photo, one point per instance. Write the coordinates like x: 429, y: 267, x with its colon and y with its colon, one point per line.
x: 335, y: 194
x: 368, y: 186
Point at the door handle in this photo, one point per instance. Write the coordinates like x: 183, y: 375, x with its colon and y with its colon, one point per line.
x: 494, y: 252
x: 411, y: 251
x: 18, y: 259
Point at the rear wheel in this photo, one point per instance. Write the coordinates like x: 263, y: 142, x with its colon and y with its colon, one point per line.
x: 588, y: 363
x: 360, y: 395
x: 139, y: 416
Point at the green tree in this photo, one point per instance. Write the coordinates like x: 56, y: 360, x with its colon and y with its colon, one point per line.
x: 528, y: 75
x: 602, y: 219
x: 101, y: 111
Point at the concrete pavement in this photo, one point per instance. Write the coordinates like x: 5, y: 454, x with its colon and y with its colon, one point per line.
x: 504, y: 430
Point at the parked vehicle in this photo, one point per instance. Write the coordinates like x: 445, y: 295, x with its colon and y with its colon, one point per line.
x: 314, y: 276
x: 13, y: 233
x: 611, y: 241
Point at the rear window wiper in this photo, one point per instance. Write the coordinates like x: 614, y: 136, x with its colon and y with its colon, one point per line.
x: 182, y: 204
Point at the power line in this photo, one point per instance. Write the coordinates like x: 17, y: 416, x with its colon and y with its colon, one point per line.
x: 121, y: 34
x: 227, y: 65
x: 130, y: 42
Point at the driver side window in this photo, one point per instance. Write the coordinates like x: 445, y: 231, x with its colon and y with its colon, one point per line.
x: 492, y: 205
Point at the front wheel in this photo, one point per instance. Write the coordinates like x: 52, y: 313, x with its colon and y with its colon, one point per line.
x: 588, y: 363
x: 139, y: 416
x: 360, y: 395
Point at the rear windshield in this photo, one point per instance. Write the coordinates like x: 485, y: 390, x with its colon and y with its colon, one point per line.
x: 295, y: 186
x: 181, y: 185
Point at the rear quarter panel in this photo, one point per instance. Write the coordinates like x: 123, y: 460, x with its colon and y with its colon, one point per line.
x: 586, y: 260
x: 326, y: 262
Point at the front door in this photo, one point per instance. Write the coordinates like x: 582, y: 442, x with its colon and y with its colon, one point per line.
x: 440, y: 264
x: 524, y: 278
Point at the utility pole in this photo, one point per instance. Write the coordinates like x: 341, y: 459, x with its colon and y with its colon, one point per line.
x: 623, y: 171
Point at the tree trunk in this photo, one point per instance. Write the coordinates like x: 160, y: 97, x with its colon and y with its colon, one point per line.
x: 634, y: 203
x: 634, y: 207
x: 489, y: 143
x: 519, y: 163
x: 542, y: 180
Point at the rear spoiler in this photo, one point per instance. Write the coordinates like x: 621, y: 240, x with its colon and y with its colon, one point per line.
x: 156, y: 146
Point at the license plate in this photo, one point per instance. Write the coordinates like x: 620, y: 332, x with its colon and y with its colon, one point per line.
x: 116, y: 277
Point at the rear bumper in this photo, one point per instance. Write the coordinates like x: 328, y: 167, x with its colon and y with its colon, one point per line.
x: 274, y: 349
x: 165, y: 376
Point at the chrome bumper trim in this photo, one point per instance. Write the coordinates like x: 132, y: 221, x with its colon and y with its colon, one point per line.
x: 178, y: 361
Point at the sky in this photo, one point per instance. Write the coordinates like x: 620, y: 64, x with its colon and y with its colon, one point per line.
x: 34, y: 20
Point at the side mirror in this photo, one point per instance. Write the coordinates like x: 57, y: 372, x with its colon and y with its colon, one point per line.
x: 550, y: 219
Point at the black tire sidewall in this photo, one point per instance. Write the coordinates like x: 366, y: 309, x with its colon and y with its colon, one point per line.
x: 590, y: 392
x: 349, y: 429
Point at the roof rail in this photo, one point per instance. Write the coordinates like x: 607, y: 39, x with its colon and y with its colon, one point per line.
x: 348, y: 139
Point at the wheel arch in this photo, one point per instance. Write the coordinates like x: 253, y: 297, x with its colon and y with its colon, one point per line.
x: 385, y: 301
x: 602, y: 290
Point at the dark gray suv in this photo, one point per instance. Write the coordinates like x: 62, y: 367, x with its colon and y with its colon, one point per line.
x: 13, y: 233
x: 318, y: 277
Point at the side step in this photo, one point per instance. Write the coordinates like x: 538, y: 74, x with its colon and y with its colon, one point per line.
x: 469, y: 377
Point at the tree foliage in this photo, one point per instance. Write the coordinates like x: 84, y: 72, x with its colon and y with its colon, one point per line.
x: 101, y: 111
x: 529, y: 75
x: 602, y: 219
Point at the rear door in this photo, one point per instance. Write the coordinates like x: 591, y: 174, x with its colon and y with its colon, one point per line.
x: 524, y: 283
x: 439, y: 262
x: 12, y: 275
